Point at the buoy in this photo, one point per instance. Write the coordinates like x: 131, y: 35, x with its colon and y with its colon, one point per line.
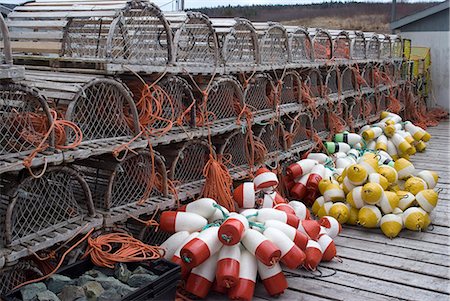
x: 415, y: 185
x: 392, y: 150
x: 318, y: 203
x: 300, y: 210
x: 340, y: 212
x: 391, y: 225
x: 372, y: 133
x: 227, y: 273
x: 334, y: 147
x: 415, y: 219
x: 353, y: 216
x: 389, y: 201
x: 345, y: 162
x: 392, y: 116
x: 218, y: 289
x: 171, y: 244
x: 333, y: 193
x: 314, y: 178
x: 323, y: 184
x: 260, y: 246
x: 379, y: 179
x: 328, y: 247
x: 329, y: 174
x: 298, y: 191
x: 176, y: 258
x: 244, y: 195
x: 203, y: 207
x: 233, y: 229
x: 364, y: 128
x: 369, y: 216
x: 265, y: 179
x: 324, y: 210
x: 285, y: 208
x: 250, y: 214
x: 331, y: 225
x: 276, y: 198
x: 430, y: 177
x: 420, y: 146
x: 310, y: 228
x: 349, y: 138
x: 199, y: 249
x: 176, y: 221
x: 272, y: 278
x: 381, y: 143
x: 391, y: 129
x: 414, y: 131
x: 299, y: 238
x: 291, y: 255
x: 369, y: 164
x: 372, y: 193
x: 402, y: 145
x: 300, y: 168
x: 219, y: 214
x: 407, y: 136
x: 427, y: 199
x: 354, y: 198
x: 390, y: 173
x: 201, y: 278
x: 353, y: 154
x: 245, y: 287
x: 385, y: 159
x: 266, y: 214
x: 347, y: 186
x: 371, y: 145
x: 406, y: 199
x: 313, y: 254
x: 321, y: 158
x: 397, y: 211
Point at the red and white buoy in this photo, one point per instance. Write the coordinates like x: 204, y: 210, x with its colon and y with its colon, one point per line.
x: 171, y: 244
x: 300, y: 168
x: 175, y: 221
x: 202, y: 277
x: 285, y: 207
x: 219, y: 214
x: 245, y: 287
x: 300, y: 210
x: 199, y: 249
x: 233, y: 229
x: 300, y: 239
x: 291, y: 255
x: 227, y: 273
x: 265, y: 179
x: 250, y: 214
x: 176, y: 258
x: 298, y: 191
x: 272, y: 278
x: 312, y: 185
x: 266, y: 214
x: 271, y: 199
x: 203, y: 207
x: 260, y: 246
x: 310, y: 228
x: 319, y: 157
x: 244, y: 195
x: 331, y: 225
x: 328, y: 247
x: 313, y: 255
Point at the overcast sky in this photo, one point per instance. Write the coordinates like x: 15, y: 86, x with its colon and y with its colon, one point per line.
x: 167, y: 4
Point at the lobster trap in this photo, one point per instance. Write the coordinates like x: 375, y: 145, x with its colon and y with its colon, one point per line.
x: 373, y: 47
x: 238, y: 42
x: 260, y: 93
x: 371, y: 107
x: 368, y: 76
x: 300, y: 45
x: 332, y: 87
x: 341, y: 45
x: 7, y: 69
x: 321, y: 122
x: 273, y: 44
x: 133, y: 186
x: 112, y: 37
x: 396, y: 47
x: 354, y: 112
x: 313, y: 86
x: 349, y: 84
x: 37, y: 213
x: 322, y: 44
x: 357, y: 45
x: 385, y: 46
x: 298, y: 132
x: 273, y: 136
x: 195, y: 41
x: 14, y: 275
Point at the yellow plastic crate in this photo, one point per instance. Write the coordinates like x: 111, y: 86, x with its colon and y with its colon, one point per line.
x: 407, y: 49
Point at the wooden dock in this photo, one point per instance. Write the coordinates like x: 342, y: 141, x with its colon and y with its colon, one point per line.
x: 413, y: 266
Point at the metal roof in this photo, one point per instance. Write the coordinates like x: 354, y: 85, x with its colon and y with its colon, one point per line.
x: 420, y: 15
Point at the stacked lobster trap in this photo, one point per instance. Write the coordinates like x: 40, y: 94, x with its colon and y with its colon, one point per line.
x: 121, y: 106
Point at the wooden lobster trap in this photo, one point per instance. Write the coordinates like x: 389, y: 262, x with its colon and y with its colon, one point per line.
x: 289, y: 92
x: 37, y: 213
x: 341, y: 45
x: 260, y: 94
x: 273, y: 44
x: 373, y: 46
x: 354, y: 112
x: 385, y: 46
x: 238, y: 41
x: 109, y: 36
x: 300, y: 45
x: 321, y: 122
x: 332, y: 88
x: 135, y: 185
x: 272, y: 135
x: 357, y: 45
x: 396, y: 47
x: 12, y: 276
x: 322, y: 44
x: 195, y: 42
x: 298, y: 132
x: 7, y: 69
x: 349, y: 83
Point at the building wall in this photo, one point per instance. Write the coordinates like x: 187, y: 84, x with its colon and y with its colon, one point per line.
x: 438, y: 41
x: 434, y: 22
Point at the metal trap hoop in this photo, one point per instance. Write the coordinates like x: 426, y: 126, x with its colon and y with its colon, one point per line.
x: 195, y: 41
x: 37, y: 207
x: 273, y: 43
x: 373, y: 46
x: 354, y: 112
x: 273, y: 137
x: 321, y: 123
x: 291, y: 88
x: 367, y: 73
x: 341, y: 45
x: 358, y: 45
x: 300, y: 45
x: 7, y: 69
x: 297, y: 129
x: 313, y: 79
x: 396, y: 47
x: 385, y: 46
x: 373, y: 99
x: 234, y: 147
x: 322, y: 44
x: 238, y: 42
x: 333, y: 82
x: 259, y: 93
x: 348, y: 81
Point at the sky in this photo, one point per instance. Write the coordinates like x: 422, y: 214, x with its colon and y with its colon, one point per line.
x: 167, y: 4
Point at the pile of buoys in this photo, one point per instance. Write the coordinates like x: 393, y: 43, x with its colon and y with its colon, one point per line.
x: 224, y: 251
x: 372, y: 182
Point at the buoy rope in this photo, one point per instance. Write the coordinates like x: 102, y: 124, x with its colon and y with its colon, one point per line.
x: 225, y: 215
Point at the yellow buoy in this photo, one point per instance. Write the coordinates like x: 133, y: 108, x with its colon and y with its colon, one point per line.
x: 369, y: 164
x: 354, y: 198
x: 369, y: 216
x: 392, y: 150
x: 347, y: 186
x: 389, y: 202
x: 340, y: 212
x: 397, y: 211
x: 420, y: 146
x: 415, y: 131
x: 323, y: 184
x: 379, y: 179
x: 416, y: 219
x: 325, y: 209
x: 427, y: 199
x: 372, y: 193
x: 430, y: 177
x: 353, y: 216
x: 372, y: 133
x: 317, y: 204
x: 356, y: 174
x: 402, y: 145
x: 333, y: 193
x: 389, y: 173
x: 406, y: 199
x: 415, y: 185
x: 404, y: 168
x: 381, y: 143
x: 390, y: 129
x: 391, y: 225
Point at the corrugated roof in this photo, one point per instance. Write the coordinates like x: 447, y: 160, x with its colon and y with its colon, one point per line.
x: 420, y: 15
